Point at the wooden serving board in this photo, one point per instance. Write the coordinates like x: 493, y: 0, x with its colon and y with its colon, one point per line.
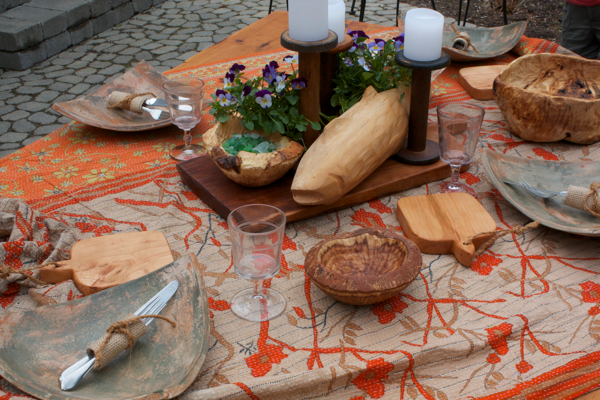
x: 204, y: 178
x: 106, y: 261
x: 479, y: 81
x: 441, y: 223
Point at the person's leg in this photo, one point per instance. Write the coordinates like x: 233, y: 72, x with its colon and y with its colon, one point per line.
x: 577, y: 33
x: 595, y: 13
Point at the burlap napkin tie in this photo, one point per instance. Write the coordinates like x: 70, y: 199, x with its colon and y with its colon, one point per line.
x: 584, y: 199
x: 120, y: 336
x: 130, y: 102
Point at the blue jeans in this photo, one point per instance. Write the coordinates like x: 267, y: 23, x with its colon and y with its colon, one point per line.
x: 581, y: 30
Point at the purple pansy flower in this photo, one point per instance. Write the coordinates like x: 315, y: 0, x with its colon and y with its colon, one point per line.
x: 270, y: 72
x: 292, y: 59
x: 377, y: 45
x: 228, y: 81
x: 280, y: 82
x: 299, y: 83
x: 348, y: 62
x: 224, y: 98
x: 246, y: 91
x: 399, y: 41
x: 363, y: 63
x: 236, y: 68
x: 356, y: 35
x: 263, y: 97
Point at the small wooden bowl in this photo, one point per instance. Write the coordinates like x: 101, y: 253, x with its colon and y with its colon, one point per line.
x: 365, y: 266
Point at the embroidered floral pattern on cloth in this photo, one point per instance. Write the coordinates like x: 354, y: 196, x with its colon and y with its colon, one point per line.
x: 523, y: 321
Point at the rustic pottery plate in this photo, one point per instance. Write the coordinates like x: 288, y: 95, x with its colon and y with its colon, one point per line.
x: 551, y: 175
x: 91, y: 108
x: 37, y: 345
x: 490, y: 42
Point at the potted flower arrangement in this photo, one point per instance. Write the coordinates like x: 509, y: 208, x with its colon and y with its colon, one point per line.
x: 257, y: 118
x: 368, y: 64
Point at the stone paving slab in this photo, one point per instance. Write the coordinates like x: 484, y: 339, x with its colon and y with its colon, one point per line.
x: 163, y: 35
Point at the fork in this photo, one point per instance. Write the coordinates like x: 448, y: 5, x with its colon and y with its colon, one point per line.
x: 156, y: 114
x: 543, y: 193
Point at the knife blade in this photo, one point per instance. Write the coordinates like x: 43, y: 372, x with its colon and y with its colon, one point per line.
x: 71, y: 376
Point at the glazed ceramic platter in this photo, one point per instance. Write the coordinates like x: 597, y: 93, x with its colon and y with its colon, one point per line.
x: 37, y: 345
x: 551, y: 175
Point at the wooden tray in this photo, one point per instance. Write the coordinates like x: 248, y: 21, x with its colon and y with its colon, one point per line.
x: 204, y: 178
x: 479, y: 81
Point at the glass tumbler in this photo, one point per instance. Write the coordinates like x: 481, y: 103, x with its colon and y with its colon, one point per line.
x: 459, y: 125
x: 256, y: 239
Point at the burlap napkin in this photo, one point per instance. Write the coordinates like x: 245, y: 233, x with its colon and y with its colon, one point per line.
x: 130, y: 102
x: 584, y: 199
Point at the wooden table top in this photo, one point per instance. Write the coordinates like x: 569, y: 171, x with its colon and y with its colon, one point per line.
x: 264, y: 35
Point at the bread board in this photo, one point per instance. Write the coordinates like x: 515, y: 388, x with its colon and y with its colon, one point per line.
x: 102, y: 262
x: 441, y: 223
x: 479, y: 81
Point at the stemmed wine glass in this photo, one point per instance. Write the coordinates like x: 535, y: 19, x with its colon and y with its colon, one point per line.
x: 185, y: 97
x: 459, y: 125
x: 256, y: 239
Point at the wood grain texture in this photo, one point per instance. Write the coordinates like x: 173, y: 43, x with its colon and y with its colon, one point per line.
x: 441, y: 223
x: 595, y: 395
x: 365, y: 266
x: 203, y: 177
x: 351, y: 147
x: 261, y: 36
x: 550, y: 97
x: 106, y: 261
x: 479, y: 81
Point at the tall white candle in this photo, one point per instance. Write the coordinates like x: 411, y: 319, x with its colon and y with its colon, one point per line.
x: 308, y: 20
x: 423, y: 31
x: 337, y: 18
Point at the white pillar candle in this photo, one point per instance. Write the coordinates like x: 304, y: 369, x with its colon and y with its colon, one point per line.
x: 308, y: 20
x: 337, y: 18
x: 423, y: 32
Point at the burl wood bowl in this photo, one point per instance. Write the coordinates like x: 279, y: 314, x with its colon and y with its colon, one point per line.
x: 365, y: 266
x: 551, y: 97
x: 250, y: 169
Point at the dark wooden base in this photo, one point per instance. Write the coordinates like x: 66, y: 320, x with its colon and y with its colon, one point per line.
x: 430, y: 155
x: 204, y: 178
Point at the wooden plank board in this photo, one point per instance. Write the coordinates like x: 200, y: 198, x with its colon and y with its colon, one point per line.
x: 261, y: 36
x: 204, y: 178
x: 479, y: 81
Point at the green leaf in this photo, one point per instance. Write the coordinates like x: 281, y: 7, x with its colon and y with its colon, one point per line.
x: 279, y: 126
x: 315, y: 125
x: 301, y: 126
x: 292, y: 98
x: 294, y: 112
x: 223, y: 118
x: 335, y: 100
x: 249, y: 125
x: 366, y: 76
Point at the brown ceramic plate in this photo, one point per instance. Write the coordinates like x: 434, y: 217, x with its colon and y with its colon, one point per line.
x: 490, y: 42
x: 91, y: 108
x: 551, y: 175
x: 37, y: 345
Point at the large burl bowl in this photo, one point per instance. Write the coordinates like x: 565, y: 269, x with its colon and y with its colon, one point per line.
x: 250, y: 169
x: 551, y: 97
x: 365, y: 266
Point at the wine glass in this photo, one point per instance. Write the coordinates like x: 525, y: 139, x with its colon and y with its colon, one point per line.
x: 185, y: 97
x: 256, y: 239
x: 459, y: 125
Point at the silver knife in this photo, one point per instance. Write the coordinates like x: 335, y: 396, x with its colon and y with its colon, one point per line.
x: 75, y: 373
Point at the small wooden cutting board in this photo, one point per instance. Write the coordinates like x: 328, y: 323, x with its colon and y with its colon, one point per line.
x: 441, y: 223
x: 106, y: 261
x: 479, y: 81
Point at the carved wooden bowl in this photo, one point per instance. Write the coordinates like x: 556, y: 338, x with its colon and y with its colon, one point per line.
x: 551, y: 97
x: 365, y: 266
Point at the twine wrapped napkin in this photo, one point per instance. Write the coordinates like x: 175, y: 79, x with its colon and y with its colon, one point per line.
x: 120, y: 336
x: 584, y: 199
x: 130, y: 102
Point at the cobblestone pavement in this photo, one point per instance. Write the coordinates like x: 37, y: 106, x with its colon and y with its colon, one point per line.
x: 164, y: 36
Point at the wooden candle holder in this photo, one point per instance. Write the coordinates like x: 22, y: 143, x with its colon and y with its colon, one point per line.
x: 317, y: 63
x: 418, y: 150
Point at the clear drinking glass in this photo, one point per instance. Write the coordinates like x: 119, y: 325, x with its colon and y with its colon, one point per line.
x: 185, y: 97
x: 256, y: 239
x: 459, y: 125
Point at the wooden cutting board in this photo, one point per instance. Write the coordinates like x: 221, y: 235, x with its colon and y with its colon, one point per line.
x: 479, y: 81
x: 106, y: 261
x: 441, y: 223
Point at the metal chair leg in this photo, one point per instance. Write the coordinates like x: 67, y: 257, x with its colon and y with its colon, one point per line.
x: 459, y: 11
x: 363, y: 4
x: 433, y: 4
x: 352, y: 12
x: 398, y: 10
x: 504, y: 10
x: 466, y: 13
x: 270, y: 6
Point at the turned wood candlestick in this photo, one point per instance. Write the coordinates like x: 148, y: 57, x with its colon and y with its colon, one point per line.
x: 317, y: 63
x: 418, y: 150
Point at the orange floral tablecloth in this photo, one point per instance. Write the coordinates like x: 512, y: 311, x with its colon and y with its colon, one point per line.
x: 522, y: 322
